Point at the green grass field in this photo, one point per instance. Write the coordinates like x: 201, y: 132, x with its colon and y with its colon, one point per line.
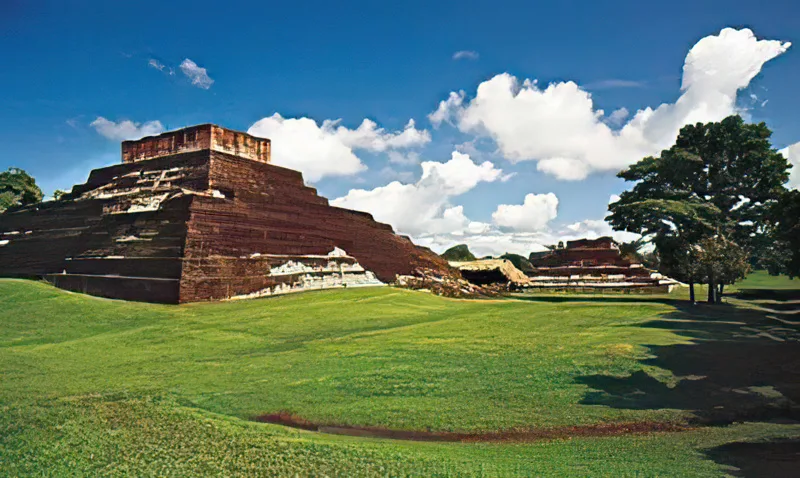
x: 762, y: 280
x: 93, y: 386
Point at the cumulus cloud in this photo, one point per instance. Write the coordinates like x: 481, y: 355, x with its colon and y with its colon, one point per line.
x: 487, y: 239
x: 425, y: 208
x: 559, y: 126
x: 792, y: 153
x: 466, y: 55
x: 618, y: 116
x: 536, y: 211
x: 328, y: 149
x: 126, y: 129
x: 391, y: 174
x: 301, y: 144
x: 447, y: 108
x: 408, y: 157
x: 594, y: 228
x: 197, y: 74
x: 370, y: 137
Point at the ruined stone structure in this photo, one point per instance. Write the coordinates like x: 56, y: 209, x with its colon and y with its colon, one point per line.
x: 593, y: 264
x: 491, y: 271
x: 200, y: 214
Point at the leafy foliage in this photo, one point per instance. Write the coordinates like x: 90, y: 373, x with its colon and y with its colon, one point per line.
x: 719, y: 179
x: 459, y: 253
x: 18, y: 188
x: 520, y: 262
x: 785, y: 236
x: 723, y: 261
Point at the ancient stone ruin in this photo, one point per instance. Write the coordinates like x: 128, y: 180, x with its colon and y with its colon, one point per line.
x: 200, y: 214
x: 491, y: 271
x: 593, y: 264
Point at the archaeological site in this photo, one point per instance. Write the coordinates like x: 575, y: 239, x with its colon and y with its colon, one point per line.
x: 591, y: 265
x: 201, y: 214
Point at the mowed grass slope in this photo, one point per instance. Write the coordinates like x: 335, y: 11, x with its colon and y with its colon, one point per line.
x: 94, y: 386
x: 372, y: 357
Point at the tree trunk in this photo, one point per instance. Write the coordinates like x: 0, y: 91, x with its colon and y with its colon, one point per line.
x: 691, y: 292
x: 712, y: 288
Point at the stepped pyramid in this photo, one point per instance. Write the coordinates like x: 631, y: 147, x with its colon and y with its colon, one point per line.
x: 200, y: 214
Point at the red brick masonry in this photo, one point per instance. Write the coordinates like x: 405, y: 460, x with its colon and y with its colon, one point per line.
x: 192, y: 225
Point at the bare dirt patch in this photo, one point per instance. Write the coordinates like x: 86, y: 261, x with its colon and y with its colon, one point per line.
x: 602, y: 430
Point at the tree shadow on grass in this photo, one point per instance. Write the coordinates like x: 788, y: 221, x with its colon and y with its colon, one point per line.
x: 777, y: 458
x: 607, y: 299
x: 742, y: 365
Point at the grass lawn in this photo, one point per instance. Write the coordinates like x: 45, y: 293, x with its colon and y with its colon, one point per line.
x: 95, y: 386
x: 762, y: 280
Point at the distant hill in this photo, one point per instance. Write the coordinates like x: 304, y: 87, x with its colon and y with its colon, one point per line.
x: 458, y: 253
x: 520, y: 262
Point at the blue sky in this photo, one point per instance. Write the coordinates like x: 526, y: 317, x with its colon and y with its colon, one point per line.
x: 65, y: 64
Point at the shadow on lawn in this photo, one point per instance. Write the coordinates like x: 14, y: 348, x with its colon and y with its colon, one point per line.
x: 606, y: 299
x: 743, y: 364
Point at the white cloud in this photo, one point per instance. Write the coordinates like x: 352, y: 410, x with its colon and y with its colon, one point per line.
x: 594, y: 228
x: 370, y: 137
x: 328, y: 149
x: 409, y: 157
x: 485, y: 239
x: 613, y: 83
x: 559, y: 126
x: 424, y: 207
x: 447, y: 108
x: 126, y: 129
x: 197, y: 74
x: 536, y: 211
x: 566, y: 169
x: 299, y: 143
x: 466, y: 55
x: 153, y: 63
x: 792, y: 153
x: 391, y: 174
x: 618, y: 116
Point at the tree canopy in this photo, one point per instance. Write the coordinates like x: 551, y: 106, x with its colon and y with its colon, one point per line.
x: 784, y: 246
x: 719, y: 180
x: 520, y: 262
x: 18, y: 188
x: 459, y: 253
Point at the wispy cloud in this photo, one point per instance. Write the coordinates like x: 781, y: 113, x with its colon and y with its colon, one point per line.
x: 126, y: 129
x: 614, y: 83
x: 466, y: 55
x: 197, y: 74
x: 154, y: 63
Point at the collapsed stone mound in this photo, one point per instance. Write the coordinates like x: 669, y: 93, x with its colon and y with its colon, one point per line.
x: 491, y: 271
x: 448, y: 285
x: 200, y: 214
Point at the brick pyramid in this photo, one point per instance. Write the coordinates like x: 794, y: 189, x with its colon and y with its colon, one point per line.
x: 200, y: 214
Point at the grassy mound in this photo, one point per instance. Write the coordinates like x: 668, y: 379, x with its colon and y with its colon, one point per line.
x: 89, y: 384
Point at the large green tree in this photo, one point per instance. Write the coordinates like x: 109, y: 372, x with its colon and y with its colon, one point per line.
x: 18, y: 188
x: 717, y: 180
x: 784, y: 247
